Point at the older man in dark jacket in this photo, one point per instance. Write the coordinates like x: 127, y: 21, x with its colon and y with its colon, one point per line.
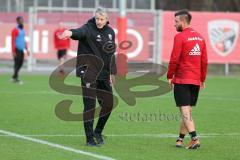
x: 97, y: 39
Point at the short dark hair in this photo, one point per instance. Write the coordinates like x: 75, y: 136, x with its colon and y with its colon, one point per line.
x: 185, y: 14
x: 19, y: 18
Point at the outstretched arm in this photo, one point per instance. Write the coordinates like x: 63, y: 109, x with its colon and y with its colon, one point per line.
x: 65, y: 35
x: 75, y: 34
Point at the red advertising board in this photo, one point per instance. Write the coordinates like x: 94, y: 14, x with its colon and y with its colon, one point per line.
x: 220, y: 30
x: 138, y: 34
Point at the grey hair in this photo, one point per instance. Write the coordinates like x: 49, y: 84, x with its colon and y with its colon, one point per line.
x: 101, y: 11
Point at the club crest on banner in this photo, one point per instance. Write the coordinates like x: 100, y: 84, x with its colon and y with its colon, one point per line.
x: 223, y: 35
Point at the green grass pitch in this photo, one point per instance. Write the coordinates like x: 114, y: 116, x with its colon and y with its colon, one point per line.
x: 28, y: 110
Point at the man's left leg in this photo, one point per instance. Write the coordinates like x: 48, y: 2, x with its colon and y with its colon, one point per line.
x: 61, y: 58
x: 182, y: 132
x: 18, y: 62
x: 105, y: 99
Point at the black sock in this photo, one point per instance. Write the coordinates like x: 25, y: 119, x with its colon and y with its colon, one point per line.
x: 181, y: 135
x: 193, y: 134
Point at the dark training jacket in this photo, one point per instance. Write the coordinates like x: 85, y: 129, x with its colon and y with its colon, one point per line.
x: 97, y: 42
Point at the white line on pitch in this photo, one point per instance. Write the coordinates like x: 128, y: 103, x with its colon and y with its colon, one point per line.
x: 54, y: 145
x: 163, y: 135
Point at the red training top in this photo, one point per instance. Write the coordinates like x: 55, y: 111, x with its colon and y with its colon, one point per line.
x: 188, y: 63
x: 60, y: 43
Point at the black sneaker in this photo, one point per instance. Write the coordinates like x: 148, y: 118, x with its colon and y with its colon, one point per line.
x: 92, y: 143
x: 99, y: 138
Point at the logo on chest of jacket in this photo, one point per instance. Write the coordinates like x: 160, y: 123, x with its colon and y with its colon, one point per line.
x: 99, y: 38
x: 110, y: 37
x: 195, y: 51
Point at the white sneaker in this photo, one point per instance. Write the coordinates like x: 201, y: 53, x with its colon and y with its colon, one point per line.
x: 16, y: 81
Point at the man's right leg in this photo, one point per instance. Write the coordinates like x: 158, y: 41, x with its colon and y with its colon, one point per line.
x: 189, y: 123
x: 15, y: 72
x: 18, y: 62
x: 61, y: 57
x: 89, y: 101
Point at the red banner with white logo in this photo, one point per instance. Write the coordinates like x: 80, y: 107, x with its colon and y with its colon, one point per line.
x: 138, y: 34
x: 220, y: 30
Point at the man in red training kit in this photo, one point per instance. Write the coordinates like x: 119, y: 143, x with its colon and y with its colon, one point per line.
x: 61, y: 45
x: 187, y: 73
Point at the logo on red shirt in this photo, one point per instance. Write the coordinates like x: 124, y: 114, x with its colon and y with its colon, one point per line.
x: 195, y: 51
